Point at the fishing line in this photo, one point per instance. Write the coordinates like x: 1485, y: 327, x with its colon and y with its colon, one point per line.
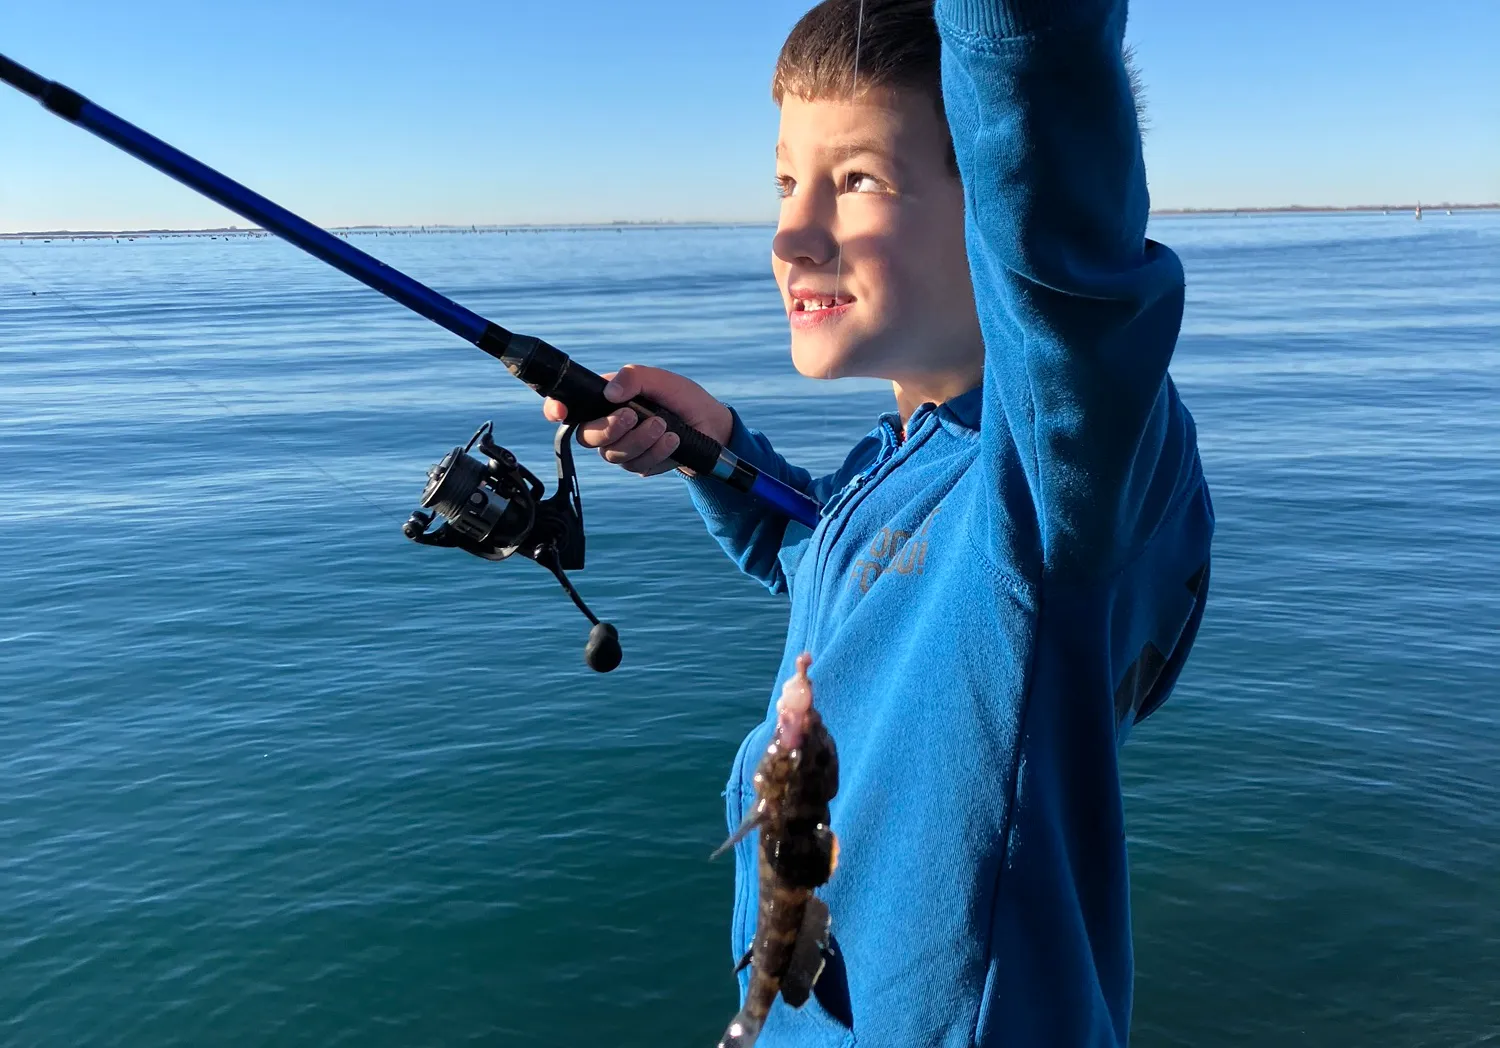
x: 491, y: 507
x: 546, y: 369
x: 296, y: 453
x: 859, y: 35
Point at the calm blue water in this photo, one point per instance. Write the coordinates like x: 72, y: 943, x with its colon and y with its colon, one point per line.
x: 273, y: 775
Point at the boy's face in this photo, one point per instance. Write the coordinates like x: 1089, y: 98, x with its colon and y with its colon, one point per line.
x: 872, y: 178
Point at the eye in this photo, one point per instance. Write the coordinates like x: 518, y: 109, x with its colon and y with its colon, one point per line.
x: 859, y: 182
x: 785, y: 186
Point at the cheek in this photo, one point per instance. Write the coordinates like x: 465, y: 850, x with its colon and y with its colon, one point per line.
x: 874, y: 262
x: 897, y: 269
x: 939, y: 264
x: 950, y: 247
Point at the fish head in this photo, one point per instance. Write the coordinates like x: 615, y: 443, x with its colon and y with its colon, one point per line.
x: 815, y: 779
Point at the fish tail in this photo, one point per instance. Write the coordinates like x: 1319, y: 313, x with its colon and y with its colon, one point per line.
x: 745, y: 1027
x: 743, y: 1030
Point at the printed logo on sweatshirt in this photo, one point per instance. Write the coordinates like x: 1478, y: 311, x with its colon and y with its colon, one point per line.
x: 892, y: 550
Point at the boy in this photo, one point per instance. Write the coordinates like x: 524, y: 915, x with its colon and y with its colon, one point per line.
x: 1010, y: 568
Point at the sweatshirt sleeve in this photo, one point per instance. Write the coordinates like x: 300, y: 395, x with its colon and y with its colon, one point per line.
x: 750, y: 533
x: 1079, y: 311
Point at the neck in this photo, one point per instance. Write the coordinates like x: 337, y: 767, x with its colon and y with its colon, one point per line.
x: 917, y: 390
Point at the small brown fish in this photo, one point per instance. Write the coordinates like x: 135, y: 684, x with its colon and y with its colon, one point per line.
x: 795, y: 780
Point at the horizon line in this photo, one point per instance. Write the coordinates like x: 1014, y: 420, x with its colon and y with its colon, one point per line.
x: 701, y: 223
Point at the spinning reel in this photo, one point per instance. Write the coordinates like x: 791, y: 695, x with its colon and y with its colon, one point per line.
x: 494, y: 507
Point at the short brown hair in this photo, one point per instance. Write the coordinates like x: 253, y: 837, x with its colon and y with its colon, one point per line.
x: 897, y: 44
x: 894, y: 45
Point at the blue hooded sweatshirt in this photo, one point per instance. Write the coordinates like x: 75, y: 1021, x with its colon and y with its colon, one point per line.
x: 993, y: 601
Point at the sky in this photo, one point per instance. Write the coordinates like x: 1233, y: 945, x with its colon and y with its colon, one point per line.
x: 513, y: 111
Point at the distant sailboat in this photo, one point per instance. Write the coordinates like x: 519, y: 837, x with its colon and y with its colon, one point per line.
x: 1419, y: 211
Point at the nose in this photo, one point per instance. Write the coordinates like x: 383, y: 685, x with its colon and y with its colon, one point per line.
x: 804, y: 236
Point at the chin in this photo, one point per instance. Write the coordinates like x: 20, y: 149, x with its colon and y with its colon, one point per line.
x: 818, y: 361
x: 818, y: 356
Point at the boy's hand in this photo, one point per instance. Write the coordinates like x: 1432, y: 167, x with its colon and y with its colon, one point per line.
x: 645, y: 448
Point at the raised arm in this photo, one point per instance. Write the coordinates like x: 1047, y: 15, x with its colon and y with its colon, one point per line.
x: 1080, y: 312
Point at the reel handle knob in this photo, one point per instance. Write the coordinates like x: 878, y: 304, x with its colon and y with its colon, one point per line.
x: 416, y: 525
x: 602, y: 652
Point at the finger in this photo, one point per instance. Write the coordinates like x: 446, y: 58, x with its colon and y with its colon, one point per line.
x: 601, y: 433
x: 655, y: 471
x: 554, y: 410
x: 626, y: 383
x: 656, y: 458
x: 636, y: 442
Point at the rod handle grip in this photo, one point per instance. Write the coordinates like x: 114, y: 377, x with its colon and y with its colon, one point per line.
x: 552, y: 373
x: 696, y: 450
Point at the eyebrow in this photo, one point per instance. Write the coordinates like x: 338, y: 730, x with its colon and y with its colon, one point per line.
x: 839, y: 153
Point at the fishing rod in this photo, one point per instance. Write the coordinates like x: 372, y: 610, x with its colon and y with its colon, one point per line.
x: 493, y: 507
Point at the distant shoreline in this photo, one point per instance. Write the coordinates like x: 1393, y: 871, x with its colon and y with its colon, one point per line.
x: 1303, y: 209
x: 373, y: 230
x: 587, y: 227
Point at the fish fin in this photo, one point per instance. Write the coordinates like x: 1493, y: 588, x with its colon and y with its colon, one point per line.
x: 807, y: 954
x: 832, y: 987
x: 751, y: 821
x: 744, y: 961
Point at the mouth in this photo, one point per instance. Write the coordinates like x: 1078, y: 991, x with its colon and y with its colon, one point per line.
x: 810, y: 308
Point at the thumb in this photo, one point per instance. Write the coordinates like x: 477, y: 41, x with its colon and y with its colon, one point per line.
x: 625, y: 383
